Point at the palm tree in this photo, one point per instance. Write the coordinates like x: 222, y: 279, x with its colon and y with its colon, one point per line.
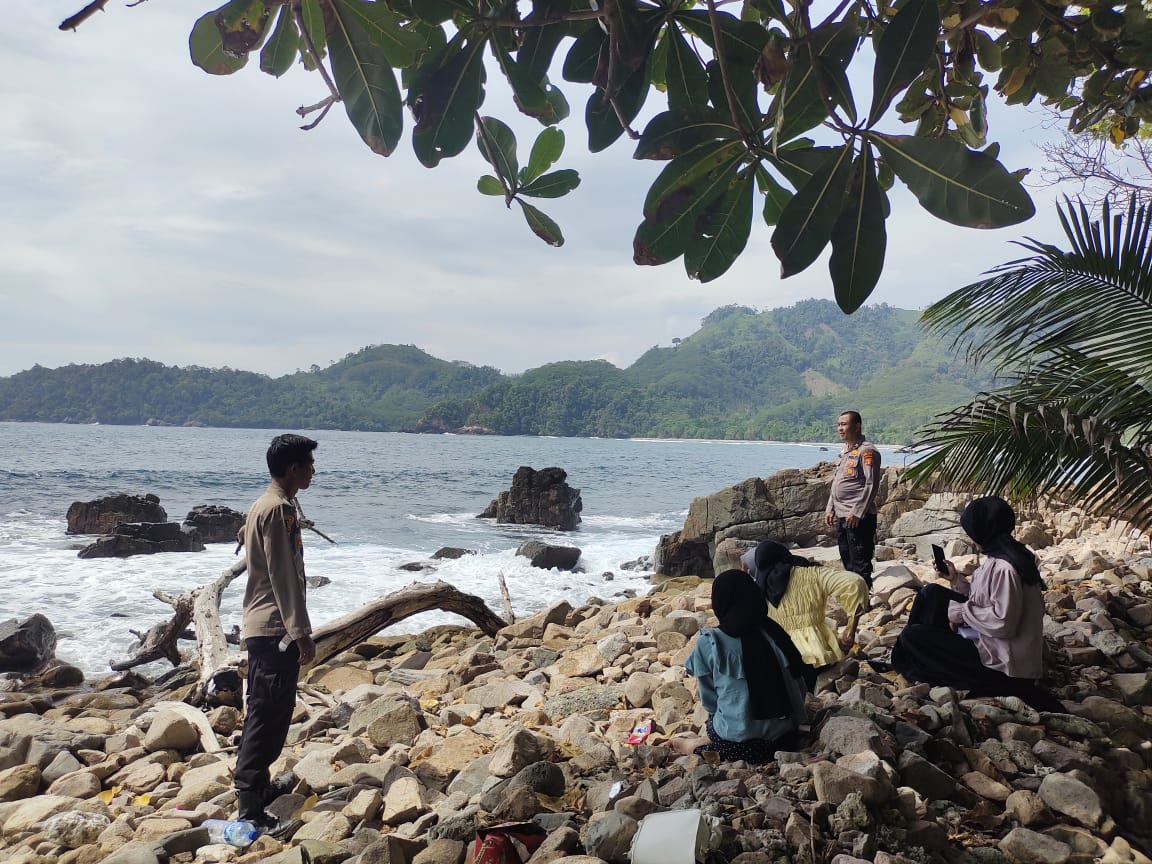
x: 1070, y: 336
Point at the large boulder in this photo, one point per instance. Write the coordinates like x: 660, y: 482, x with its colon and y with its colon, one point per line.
x: 745, y: 502
x: 216, y: 523
x: 676, y: 556
x: 547, y: 556
x: 537, y: 498
x: 26, y: 645
x: 104, y: 514
x: 144, y: 538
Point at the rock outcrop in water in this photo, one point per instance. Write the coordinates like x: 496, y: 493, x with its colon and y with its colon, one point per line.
x: 28, y: 645
x: 144, y: 538
x: 216, y: 523
x: 537, y: 498
x: 102, y: 515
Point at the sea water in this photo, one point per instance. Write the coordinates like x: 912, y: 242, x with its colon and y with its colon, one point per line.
x: 385, y: 498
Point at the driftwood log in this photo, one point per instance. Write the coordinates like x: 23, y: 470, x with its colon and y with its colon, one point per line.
x: 219, y: 680
x: 360, y: 624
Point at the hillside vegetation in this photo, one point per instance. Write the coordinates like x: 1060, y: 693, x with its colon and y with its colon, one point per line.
x: 781, y: 374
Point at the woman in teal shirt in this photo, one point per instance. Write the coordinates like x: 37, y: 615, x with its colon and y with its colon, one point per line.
x: 750, y: 677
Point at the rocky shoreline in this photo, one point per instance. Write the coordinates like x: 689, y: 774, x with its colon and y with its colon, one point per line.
x: 407, y: 744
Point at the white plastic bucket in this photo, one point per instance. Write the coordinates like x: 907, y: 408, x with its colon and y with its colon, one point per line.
x: 672, y: 837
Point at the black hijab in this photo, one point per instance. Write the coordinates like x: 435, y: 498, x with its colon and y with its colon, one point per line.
x: 771, y: 567
x: 990, y: 521
x: 743, y: 615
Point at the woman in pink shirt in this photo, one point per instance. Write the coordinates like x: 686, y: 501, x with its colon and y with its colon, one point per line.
x: 986, y: 637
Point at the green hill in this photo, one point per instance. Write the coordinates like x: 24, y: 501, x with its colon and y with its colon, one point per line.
x: 781, y: 374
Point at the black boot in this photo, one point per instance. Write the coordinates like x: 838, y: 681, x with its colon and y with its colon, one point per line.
x: 282, y: 785
x: 250, y: 805
x: 251, y: 809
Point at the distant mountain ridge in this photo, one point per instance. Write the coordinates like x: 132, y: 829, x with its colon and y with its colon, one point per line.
x: 781, y: 374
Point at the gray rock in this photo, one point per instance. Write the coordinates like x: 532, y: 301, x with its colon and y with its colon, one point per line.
x: 833, y: 784
x: 441, y: 851
x: 547, y: 778
x: 1031, y: 847
x: 586, y: 700
x: 515, y: 751
x: 845, y: 735
x: 26, y: 646
x: 549, y: 557
x: 133, y: 852
x: 171, y: 731
x: 609, y: 837
x: 924, y: 777
x: 1074, y: 798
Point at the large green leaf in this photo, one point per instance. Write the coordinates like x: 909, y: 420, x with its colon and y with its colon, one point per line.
x: 547, y: 148
x: 961, y: 186
x: 497, y: 144
x: 905, y: 49
x: 280, y: 53
x: 584, y: 56
x: 723, y: 229
x: 313, y: 17
x: 798, y: 105
x: 686, y: 79
x: 806, y: 224
x: 542, y: 226
x: 686, y: 186
x: 743, y: 40
x: 552, y: 185
x: 600, y: 116
x: 366, y: 82
x: 744, y: 89
x: 859, y: 238
x: 539, y: 44
x: 528, y: 92
x: 776, y: 197
x: 799, y: 164
x: 400, y: 45
x: 672, y: 133
x: 206, y: 47
x: 444, y: 97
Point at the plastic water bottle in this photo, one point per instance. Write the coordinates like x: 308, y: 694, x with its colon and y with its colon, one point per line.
x: 238, y: 834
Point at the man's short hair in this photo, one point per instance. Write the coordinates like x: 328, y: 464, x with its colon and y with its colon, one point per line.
x: 288, y: 450
x: 855, y: 415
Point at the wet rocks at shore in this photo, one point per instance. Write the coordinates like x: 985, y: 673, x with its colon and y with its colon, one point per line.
x: 102, y: 515
x: 406, y: 744
x: 144, y: 538
x: 215, y: 523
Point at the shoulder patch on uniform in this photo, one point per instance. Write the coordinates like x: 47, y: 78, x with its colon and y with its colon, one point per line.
x: 867, y: 457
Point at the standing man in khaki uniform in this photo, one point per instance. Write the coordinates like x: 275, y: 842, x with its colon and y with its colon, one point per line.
x: 852, y: 502
x: 276, y: 629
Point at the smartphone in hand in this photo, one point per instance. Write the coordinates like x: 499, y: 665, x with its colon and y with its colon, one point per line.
x: 938, y: 560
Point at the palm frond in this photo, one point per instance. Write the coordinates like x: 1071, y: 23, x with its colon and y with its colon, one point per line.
x: 1070, y: 334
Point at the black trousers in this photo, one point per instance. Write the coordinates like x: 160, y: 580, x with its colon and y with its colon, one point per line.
x: 272, y: 676
x: 929, y: 650
x: 857, y: 545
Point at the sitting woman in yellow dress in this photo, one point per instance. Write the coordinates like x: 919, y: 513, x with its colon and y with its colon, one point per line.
x: 797, y: 591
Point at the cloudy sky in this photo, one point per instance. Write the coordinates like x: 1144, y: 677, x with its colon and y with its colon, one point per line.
x: 150, y: 210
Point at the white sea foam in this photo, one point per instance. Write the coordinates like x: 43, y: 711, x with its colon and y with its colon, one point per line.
x: 388, y: 499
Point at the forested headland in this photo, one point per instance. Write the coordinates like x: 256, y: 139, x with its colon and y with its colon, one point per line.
x: 781, y: 374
